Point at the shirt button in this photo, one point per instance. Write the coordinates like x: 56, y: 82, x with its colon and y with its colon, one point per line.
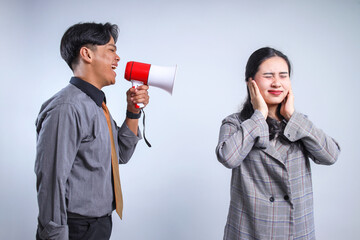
x: 271, y: 199
x: 286, y: 197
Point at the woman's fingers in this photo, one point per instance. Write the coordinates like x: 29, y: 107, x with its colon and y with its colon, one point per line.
x: 257, y: 99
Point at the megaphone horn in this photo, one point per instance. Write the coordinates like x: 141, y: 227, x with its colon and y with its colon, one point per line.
x: 157, y: 76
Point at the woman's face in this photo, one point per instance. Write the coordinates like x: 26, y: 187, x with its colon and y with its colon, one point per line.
x: 273, y: 80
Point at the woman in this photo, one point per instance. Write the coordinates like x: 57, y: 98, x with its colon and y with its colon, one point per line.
x: 268, y: 145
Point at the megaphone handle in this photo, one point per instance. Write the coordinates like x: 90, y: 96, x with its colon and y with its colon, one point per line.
x: 135, y: 84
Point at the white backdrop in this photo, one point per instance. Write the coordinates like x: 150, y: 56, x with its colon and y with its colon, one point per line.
x: 177, y: 190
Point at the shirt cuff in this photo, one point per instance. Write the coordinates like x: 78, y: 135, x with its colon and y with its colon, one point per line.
x: 124, y: 131
x: 53, y: 230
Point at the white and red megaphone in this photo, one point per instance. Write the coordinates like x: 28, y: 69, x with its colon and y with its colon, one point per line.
x: 151, y: 75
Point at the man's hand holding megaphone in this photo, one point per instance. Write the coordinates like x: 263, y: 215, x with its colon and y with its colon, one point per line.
x: 135, y: 96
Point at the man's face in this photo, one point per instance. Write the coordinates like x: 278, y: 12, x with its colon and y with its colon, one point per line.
x: 105, y: 61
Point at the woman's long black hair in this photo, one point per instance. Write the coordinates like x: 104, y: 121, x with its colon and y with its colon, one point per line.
x: 252, y: 67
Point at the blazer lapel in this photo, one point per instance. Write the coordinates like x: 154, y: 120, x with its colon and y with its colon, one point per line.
x: 270, y: 150
x: 278, y: 152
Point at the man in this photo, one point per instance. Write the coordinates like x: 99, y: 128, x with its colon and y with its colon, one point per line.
x: 78, y: 143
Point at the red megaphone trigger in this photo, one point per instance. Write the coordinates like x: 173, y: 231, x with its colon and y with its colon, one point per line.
x: 137, y: 71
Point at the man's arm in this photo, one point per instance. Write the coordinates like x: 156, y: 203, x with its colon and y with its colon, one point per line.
x: 128, y: 134
x: 57, y: 144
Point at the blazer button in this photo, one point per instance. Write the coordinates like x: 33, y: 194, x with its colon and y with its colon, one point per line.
x: 286, y: 197
x: 271, y: 199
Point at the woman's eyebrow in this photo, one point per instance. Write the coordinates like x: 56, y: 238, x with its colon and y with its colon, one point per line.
x: 272, y: 73
x: 269, y: 73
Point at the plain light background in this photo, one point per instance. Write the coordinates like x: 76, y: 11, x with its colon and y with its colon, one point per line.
x: 177, y: 189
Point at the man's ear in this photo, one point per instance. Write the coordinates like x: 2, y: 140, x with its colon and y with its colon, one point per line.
x: 86, y: 54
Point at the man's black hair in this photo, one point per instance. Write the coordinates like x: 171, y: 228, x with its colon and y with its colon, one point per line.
x: 85, y: 34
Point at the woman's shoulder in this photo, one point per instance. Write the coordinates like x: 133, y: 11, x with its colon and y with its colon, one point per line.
x: 232, y: 118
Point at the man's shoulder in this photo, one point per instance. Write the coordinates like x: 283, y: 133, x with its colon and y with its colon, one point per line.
x: 69, y: 95
x: 68, y: 101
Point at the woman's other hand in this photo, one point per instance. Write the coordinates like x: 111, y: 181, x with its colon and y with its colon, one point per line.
x: 287, y: 106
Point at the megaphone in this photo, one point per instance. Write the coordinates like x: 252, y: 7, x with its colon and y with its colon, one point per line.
x: 157, y: 76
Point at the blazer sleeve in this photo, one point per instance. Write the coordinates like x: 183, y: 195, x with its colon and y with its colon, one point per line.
x: 321, y: 148
x: 236, y: 138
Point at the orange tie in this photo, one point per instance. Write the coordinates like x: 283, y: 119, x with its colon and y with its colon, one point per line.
x: 115, y: 166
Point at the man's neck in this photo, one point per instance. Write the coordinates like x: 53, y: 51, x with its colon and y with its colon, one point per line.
x: 87, y: 76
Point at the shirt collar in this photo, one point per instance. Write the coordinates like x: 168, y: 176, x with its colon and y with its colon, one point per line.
x: 93, y: 92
